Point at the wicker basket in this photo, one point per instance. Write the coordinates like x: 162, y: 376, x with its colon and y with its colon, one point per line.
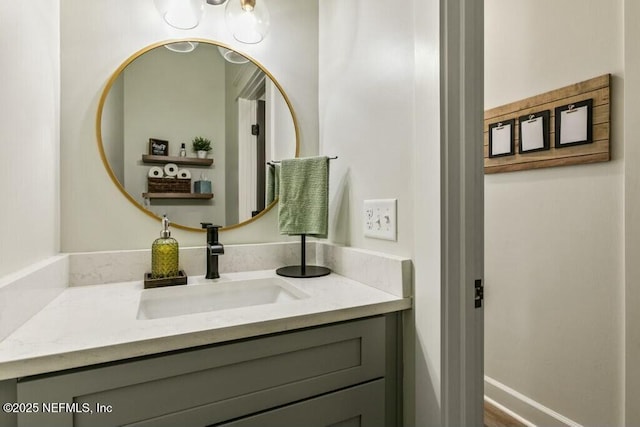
x: 168, y: 185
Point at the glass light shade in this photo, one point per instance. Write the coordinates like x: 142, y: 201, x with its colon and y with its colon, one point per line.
x: 182, y: 47
x: 181, y: 14
x: 248, y: 20
x: 232, y: 56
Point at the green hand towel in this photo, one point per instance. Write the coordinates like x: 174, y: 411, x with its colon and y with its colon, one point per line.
x: 303, y: 206
x: 273, y: 182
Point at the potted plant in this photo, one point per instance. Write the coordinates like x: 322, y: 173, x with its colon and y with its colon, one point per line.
x: 201, y: 146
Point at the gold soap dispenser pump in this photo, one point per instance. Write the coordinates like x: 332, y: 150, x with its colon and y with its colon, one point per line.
x: 164, y: 253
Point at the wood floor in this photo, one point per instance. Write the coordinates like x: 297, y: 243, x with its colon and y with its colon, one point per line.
x: 494, y: 417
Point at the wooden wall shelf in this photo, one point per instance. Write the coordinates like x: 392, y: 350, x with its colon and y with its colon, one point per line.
x: 193, y: 161
x: 177, y: 195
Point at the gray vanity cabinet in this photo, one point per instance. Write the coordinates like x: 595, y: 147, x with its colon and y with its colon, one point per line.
x: 342, y: 374
x: 352, y: 407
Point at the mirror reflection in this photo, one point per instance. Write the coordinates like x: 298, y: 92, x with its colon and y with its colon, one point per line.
x: 171, y: 97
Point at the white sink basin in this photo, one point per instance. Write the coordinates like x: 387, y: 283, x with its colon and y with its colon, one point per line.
x: 191, y: 299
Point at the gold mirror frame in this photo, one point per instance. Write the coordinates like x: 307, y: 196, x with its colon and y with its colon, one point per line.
x: 105, y: 93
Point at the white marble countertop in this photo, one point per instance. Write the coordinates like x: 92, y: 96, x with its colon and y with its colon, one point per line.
x: 87, y: 325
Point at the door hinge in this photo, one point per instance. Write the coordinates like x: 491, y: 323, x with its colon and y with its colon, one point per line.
x: 479, y: 295
x: 255, y: 130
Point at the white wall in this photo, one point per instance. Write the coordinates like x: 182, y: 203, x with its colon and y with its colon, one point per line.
x: 366, y: 115
x: 95, y: 216
x: 422, y: 407
x: 29, y: 132
x: 379, y: 113
x: 554, y: 238
x: 632, y: 211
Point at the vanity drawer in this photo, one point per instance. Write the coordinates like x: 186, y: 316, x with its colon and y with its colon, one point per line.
x: 356, y: 406
x: 231, y: 380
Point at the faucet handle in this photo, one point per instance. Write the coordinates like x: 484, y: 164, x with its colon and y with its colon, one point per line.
x: 210, y: 225
x: 212, y: 233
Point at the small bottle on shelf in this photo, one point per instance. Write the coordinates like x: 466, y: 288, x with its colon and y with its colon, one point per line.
x: 183, y: 151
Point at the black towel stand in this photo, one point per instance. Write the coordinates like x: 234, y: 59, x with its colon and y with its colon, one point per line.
x: 303, y: 271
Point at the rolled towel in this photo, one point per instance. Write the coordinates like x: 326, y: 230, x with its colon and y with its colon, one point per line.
x: 171, y: 169
x: 156, y: 172
x: 184, y: 174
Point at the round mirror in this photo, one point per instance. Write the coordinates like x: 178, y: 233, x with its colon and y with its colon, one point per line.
x: 170, y: 100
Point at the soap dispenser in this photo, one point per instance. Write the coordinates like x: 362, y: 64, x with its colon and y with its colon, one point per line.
x: 164, y: 253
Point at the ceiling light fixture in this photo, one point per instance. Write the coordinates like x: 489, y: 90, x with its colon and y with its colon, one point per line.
x: 248, y: 20
x: 181, y: 14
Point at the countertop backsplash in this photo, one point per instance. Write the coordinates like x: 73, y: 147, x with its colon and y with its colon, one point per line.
x: 388, y: 273
x: 92, y: 268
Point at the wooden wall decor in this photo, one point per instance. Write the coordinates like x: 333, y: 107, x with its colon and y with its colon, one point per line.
x: 597, y: 150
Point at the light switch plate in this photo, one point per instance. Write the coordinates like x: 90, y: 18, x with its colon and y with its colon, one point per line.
x: 380, y: 219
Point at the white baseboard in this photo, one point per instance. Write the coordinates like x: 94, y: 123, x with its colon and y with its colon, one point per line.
x: 523, y: 408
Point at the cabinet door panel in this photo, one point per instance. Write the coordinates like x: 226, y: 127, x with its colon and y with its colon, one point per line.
x: 216, y: 383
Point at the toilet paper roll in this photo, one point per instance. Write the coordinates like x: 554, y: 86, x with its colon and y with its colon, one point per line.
x: 184, y: 174
x: 171, y: 169
x: 156, y: 172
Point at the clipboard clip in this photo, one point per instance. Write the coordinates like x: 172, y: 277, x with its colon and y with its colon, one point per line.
x: 532, y: 118
x: 571, y: 108
x: 500, y: 126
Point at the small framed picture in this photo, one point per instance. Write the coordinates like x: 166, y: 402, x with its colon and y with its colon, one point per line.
x: 158, y: 147
x: 574, y: 124
x: 534, y: 132
x: 501, y: 138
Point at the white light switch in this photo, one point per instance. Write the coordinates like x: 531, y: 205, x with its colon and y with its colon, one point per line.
x: 380, y: 219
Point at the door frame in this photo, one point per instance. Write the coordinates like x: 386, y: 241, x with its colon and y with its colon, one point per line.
x: 462, y: 210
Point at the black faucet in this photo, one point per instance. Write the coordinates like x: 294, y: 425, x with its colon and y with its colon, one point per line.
x: 214, y: 248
